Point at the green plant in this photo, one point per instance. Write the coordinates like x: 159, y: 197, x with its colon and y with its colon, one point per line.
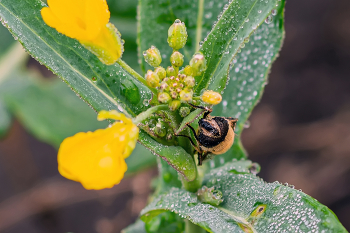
x: 239, y: 50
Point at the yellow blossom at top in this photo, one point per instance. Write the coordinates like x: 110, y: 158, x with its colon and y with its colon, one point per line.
x: 211, y: 97
x: 96, y: 159
x: 86, y: 21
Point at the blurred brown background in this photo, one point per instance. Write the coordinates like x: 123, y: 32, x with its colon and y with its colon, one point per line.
x: 299, y: 133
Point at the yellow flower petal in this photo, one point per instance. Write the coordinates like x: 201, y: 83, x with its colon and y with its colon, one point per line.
x: 96, y: 159
x: 107, y: 45
x: 86, y: 21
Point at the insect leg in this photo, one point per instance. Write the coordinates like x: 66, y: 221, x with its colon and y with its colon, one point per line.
x: 200, y: 161
x: 208, y: 110
x: 193, y: 144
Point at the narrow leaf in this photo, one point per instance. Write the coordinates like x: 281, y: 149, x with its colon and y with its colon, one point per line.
x: 237, y: 22
x: 248, y: 76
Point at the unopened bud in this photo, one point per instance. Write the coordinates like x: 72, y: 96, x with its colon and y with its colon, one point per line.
x: 170, y: 71
x: 211, y: 97
x: 177, y: 35
x: 163, y: 86
x: 160, y: 129
x: 164, y: 97
x: 188, y: 70
x: 182, y: 77
x: 152, y: 123
x: 198, y: 64
x: 190, y: 81
x: 152, y: 79
x: 175, y: 104
x: 160, y: 71
x: 173, y: 94
x: 177, y: 59
x: 186, y: 95
x: 184, y: 111
x: 152, y: 56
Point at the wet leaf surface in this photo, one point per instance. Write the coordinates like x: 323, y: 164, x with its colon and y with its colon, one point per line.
x: 101, y: 86
x: 249, y: 205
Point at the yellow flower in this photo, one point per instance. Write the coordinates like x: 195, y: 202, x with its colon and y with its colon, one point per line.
x: 211, y: 97
x: 86, y: 21
x: 96, y: 159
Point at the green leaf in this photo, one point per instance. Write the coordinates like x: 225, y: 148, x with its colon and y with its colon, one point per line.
x: 101, y: 86
x: 6, y: 40
x: 254, y: 61
x: 249, y: 205
x: 165, y: 222
x: 155, y: 18
x: 237, y: 22
x: 189, y: 119
x: 248, y: 77
x: 5, y: 119
x: 137, y: 227
x: 9, y: 61
x: 48, y: 108
x: 51, y: 112
x: 113, y: 88
x: 175, y: 156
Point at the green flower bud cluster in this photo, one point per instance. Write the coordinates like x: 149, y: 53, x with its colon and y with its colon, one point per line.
x: 158, y: 126
x: 174, y: 86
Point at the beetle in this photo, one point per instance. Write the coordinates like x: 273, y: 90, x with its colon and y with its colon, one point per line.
x: 215, y: 135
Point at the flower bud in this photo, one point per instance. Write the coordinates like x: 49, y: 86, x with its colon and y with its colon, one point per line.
x: 175, y: 104
x: 181, y: 77
x: 160, y: 129
x: 177, y: 59
x: 190, y: 81
x: 170, y: 71
x: 152, y: 79
x: 152, y: 123
x: 152, y: 56
x: 188, y: 70
x: 211, y: 97
x: 177, y: 35
x: 164, y: 86
x: 164, y: 97
x: 184, y: 111
x: 160, y: 71
x: 173, y: 94
x: 186, y: 95
x: 198, y: 64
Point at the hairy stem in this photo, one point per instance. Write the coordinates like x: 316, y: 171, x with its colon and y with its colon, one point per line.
x: 135, y: 74
x: 144, y: 115
x: 199, y: 23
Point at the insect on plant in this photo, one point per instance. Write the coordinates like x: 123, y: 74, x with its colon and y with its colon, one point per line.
x: 231, y: 46
x: 215, y: 135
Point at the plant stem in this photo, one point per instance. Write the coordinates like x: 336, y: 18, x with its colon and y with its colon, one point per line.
x: 192, y: 186
x: 199, y: 23
x: 136, y: 75
x: 144, y: 115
